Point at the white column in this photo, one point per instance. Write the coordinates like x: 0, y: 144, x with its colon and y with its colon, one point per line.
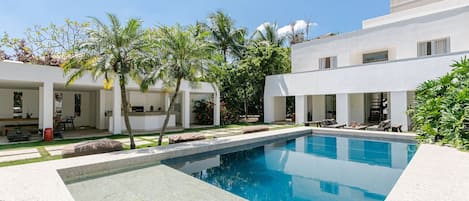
x: 41, y: 107
x: 399, y: 155
x: 186, y: 109
x: 46, y: 108
x: 116, y: 109
x: 343, y: 108
x: 216, y: 108
x: 280, y: 111
x: 300, y: 109
x: 319, y: 107
x: 101, y: 101
x: 269, y: 109
x: 399, y: 109
x: 342, y: 148
x: 300, y: 144
x: 167, y: 101
x: 357, y: 108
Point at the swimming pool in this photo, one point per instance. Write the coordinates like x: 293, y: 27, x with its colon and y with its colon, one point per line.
x: 314, y: 167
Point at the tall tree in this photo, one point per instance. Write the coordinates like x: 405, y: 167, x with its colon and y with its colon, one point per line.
x: 111, y: 51
x: 183, y: 54
x: 57, y: 40
x: 261, y: 60
x: 228, y: 38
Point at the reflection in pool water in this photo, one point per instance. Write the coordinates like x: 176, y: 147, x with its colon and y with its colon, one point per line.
x: 307, y: 168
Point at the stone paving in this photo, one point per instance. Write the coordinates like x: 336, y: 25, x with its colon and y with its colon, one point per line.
x: 19, y: 154
x: 55, y: 150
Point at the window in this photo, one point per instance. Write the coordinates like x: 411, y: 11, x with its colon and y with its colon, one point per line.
x: 58, y: 103
x: 17, y: 104
x: 329, y: 187
x: 375, y: 57
x: 327, y: 63
x: 77, y: 105
x: 433, y: 47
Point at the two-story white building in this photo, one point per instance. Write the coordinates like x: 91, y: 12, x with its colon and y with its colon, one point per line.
x: 371, y: 74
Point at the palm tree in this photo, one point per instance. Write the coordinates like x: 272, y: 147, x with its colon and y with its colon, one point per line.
x: 182, y: 54
x: 228, y: 38
x: 269, y: 34
x: 110, y: 51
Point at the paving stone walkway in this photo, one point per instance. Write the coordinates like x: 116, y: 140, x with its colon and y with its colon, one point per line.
x: 19, y: 154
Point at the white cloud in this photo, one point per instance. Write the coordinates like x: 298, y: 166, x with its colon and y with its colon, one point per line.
x: 300, y: 25
x: 285, y: 30
x: 261, y: 27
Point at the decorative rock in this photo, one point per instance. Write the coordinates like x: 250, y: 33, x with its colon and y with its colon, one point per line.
x: 91, y: 147
x: 254, y: 129
x: 185, y: 138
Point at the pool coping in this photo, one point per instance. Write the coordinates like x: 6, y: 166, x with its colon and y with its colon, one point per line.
x: 434, y: 173
x: 45, y: 180
x: 370, y: 135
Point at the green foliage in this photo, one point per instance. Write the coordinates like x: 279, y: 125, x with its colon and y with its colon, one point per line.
x: 203, y: 110
x: 111, y: 51
x: 441, y: 111
x: 244, y: 84
x: 228, y: 39
x: 177, y: 53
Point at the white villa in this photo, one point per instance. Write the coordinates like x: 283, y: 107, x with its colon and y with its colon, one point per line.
x: 371, y: 74
x: 35, y: 95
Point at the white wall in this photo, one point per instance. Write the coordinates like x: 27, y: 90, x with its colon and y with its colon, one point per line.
x: 400, y: 5
x: 148, y: 99
x: 88, y: 107
x: 403, y: 75
x: 30, y: 102
x: 414, y: 12
x: 357, y: 108
x: 319, y: 107
x: 399, y: 38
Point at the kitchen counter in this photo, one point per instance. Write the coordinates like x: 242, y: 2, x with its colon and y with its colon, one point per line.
x: 145, y: 121
x: 146, y: 113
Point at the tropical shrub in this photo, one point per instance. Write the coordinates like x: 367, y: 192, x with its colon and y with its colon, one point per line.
x: 203, y: 110
x: 441, y: 111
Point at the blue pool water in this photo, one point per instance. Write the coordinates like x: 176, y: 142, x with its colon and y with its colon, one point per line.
x: 312, y: 168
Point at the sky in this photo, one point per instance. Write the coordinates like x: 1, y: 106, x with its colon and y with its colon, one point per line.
x: 336, y: 16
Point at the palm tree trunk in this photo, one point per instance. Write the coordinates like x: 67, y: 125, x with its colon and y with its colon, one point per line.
x: 224, y: 54
x: 245, y: 105
x: 168, y: 112
x: 125, y: 105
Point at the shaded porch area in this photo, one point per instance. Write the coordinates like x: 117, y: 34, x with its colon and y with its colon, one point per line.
x: 356, y: 110
x: 68, y: 134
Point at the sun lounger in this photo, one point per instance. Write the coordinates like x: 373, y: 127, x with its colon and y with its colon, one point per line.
x: 356, y: 127
x: 382, y: 126
x: 332, y: 123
